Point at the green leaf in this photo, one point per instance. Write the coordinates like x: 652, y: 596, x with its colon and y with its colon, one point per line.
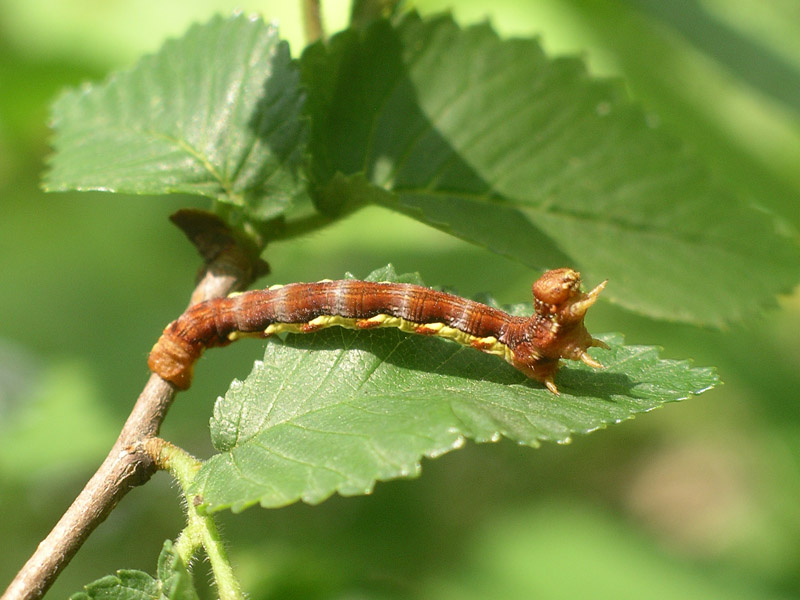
x: 338, y: 410
x: 125, y: 585
x: 216, y: 113
x: 174, y: 582
x: 497, y: 143
x: 388, y: 273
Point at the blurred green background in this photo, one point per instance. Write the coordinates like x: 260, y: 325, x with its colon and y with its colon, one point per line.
x: 697, y: 500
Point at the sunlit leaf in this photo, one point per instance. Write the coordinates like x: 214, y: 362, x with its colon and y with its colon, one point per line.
x: 340, y: 410
x: 215, y: 113
x: 501, y: 145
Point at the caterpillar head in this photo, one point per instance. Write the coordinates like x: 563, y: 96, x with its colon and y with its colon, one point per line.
x: 557, y: 327
x: 558, y: 293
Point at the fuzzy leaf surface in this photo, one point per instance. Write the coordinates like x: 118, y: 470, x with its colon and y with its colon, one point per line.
x: 215, y: 113
x: 339, y: 410
x: 530, y: 156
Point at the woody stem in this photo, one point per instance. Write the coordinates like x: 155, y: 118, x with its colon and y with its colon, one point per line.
x: 128, y: 464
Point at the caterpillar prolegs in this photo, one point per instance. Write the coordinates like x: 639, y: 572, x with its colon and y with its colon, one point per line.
x: 534, y: 344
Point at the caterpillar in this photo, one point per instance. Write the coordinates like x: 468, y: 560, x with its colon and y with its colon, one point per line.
x: 534, y: 344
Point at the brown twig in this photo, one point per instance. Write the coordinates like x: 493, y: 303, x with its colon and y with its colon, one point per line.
x: 312, y: 21
x: 128, y: 464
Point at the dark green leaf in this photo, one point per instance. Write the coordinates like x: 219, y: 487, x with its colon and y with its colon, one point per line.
x: 339, y: 410
x: 174, y: 582
x: 215, y: 113
x: 498, y: 144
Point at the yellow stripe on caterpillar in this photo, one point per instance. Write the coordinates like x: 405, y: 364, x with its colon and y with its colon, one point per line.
x: 489, y: 345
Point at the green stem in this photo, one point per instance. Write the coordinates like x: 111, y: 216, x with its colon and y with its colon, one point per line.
x: 186, y: 545
x: 201, y: 530
x: 303, y: 226
x: 227, y: 584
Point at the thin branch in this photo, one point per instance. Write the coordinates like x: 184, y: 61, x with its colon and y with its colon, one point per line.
x: 312, y: 21
x: 128, y: 464
x: 125, y: 466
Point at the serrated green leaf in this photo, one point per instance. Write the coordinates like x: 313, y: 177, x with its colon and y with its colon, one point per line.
x: 497, y: 143
x: 339, y: 410
x: 125, y: 585
x: 216, y: 113
x: 388, y: 273
x: 174, y: 582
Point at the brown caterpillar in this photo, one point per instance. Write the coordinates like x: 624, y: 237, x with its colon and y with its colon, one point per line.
x: 534, y: 344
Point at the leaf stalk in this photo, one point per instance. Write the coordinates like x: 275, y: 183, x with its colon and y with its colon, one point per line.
x: 201, y: 529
